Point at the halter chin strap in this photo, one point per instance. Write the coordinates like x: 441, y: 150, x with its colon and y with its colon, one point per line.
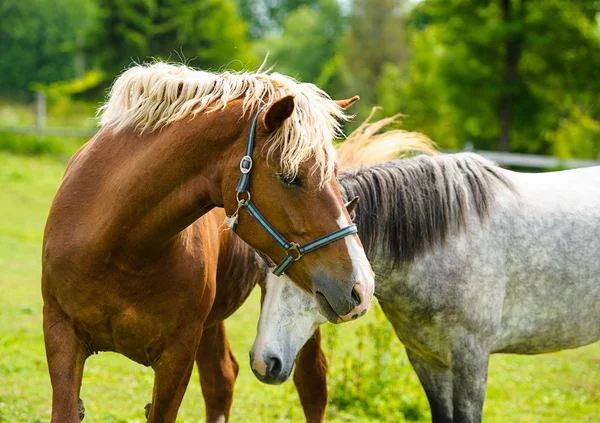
x: 294, y: 251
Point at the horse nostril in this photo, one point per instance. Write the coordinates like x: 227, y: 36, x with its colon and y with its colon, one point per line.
x: 356, y: 300
x: 274, y: 367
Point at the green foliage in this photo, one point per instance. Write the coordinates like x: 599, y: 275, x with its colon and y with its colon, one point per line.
x: 30, y: 144
x: 523, y: 71
x: 40, y: 42
x: 577, y: 135
x: 60, y: 89
x: 556, y: 46
x: 310, y: 37
x: 375, y: 380
x: 377, y: 36
x: 417, y: 90
x: 208, y: 33
x: 265, y: 16
x: 121, y: 33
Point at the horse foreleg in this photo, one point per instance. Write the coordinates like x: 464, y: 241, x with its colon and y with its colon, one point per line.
x: 310, y: 378
x: 469, y: 368
x: 218, y: 370
x: 66, y: 358
x: 437, y: 383
x: 172, y: 373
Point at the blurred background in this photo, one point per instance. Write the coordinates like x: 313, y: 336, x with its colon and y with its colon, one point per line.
x: 508, y: 75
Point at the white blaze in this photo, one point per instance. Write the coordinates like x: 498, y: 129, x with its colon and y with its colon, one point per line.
x: 365, y: 278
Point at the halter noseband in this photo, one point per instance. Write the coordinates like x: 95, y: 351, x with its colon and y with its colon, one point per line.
x: 294, y: 251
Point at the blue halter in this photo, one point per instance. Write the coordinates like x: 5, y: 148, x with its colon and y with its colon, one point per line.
x: 293, y: 250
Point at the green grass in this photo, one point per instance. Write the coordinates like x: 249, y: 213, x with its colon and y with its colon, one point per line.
x: 370, y: 379
x: 30, y: 144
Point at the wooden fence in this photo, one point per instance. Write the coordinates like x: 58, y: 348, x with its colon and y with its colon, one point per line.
x: 504, y: 159
x: 40, y: 127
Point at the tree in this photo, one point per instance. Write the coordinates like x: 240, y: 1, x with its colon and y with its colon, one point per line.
x: 419, y: 92
x: 40, y: 42
x: 207, y: 33
x: 309, y: 39
x: 267, y: 16
x: 511, y: 68
x: 376, y: 37
x: 122, y: 33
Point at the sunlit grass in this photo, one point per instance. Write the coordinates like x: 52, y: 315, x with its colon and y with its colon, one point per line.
x: 370, y: 379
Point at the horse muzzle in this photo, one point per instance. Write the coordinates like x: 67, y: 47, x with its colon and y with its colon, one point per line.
x: 270, y: 367
x: 341, y: 306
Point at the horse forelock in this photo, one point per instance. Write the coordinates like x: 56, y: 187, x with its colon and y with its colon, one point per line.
x: 409, y: 206
x: 149, y: 97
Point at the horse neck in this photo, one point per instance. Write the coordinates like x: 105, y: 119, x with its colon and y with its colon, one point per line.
x: 149, y: 188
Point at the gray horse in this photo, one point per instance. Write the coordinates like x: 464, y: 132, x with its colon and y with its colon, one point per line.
x: 471, y: 260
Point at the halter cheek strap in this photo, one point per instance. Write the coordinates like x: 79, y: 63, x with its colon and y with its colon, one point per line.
x: 294, y: 251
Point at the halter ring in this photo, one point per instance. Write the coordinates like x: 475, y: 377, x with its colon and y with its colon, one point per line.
x: 294, y: 246
x: 241, y: 201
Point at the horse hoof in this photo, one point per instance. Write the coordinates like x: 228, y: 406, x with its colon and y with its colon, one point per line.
x: 147, y: 408
x: 81, y: 409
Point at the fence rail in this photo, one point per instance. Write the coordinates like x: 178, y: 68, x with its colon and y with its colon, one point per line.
x: 532, y: 160
x: 58, y: 132
x: 504, y: 159
x: 40, y: 127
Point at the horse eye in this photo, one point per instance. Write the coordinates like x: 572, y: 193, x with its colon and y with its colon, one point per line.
x: 296, y: 181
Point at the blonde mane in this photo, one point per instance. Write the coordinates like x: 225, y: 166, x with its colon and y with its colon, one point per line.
x: 366, y: 145
x: 149, y: 97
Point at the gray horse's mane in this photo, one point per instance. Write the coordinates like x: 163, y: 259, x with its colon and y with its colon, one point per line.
x: 407, y: 206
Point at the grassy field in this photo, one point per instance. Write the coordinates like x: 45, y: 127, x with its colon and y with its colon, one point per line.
x: 370, y: 380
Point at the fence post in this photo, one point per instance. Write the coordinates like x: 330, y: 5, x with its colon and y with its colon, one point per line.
x: 40, y: 113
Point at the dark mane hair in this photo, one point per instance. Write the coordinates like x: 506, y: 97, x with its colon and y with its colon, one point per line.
x: 409, y: 205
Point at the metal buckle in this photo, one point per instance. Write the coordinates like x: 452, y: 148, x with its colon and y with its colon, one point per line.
x: 294, y: 246
x: 241, y: 201
x: 245, y: 160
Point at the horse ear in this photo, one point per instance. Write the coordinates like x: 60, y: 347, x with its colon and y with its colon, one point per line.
x: 351, y: 205
x: 344, y: 104
x: 278, y: 112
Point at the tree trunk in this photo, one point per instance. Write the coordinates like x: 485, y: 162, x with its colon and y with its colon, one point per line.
x: 513, y: 47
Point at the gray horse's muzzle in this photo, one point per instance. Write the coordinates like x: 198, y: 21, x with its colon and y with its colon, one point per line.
x: 277, y: 370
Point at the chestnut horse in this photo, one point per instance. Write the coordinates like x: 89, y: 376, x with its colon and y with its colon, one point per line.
x: 126, y: 265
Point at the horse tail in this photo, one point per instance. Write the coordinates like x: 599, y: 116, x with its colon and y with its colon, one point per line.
x: 367, y: 146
